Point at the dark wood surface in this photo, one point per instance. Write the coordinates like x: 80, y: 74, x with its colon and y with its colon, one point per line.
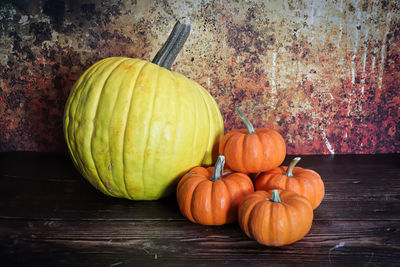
x: 50, y: 215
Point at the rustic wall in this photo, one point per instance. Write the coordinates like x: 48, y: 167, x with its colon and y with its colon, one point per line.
x: 326, y: 74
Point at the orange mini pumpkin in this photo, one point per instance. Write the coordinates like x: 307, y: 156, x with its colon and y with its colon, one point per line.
x: 252, y: 150
x: 210, y: 196
x: 275, y: 219
x: 305, y: 182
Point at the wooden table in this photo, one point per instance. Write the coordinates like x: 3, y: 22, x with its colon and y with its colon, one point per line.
x: 50, y: 215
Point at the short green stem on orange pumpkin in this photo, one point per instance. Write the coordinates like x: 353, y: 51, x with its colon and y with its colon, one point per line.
x: 289, y: 171
x: 246, y: 121
x: 169, y: 51
x: 275, y: 196
x: 218, y: 169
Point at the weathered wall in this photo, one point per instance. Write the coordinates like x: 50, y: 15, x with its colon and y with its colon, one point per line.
x: 323, y: 73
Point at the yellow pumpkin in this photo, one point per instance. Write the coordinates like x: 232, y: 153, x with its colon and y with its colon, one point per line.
x: 133, y: 127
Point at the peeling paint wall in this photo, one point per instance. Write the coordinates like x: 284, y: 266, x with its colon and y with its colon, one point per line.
x: 326, y: 74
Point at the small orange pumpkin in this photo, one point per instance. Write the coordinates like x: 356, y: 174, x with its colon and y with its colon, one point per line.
x: 305, y: 182
x: 211, y: 196
x: 252, y: 150
x: 275, y: 218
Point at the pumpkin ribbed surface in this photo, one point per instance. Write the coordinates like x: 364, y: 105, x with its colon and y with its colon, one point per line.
x: 206, y: 201
x: 253, y: 152
x: 304, y: 182
x: 132, y: 127
x: 272, y: 223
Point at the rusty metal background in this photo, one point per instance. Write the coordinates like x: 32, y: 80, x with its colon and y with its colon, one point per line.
x: 326, y: 74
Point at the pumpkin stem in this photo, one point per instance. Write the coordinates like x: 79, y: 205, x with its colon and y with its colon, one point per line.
x: 218, y: 169
x: 275, y: 196
x: 289, y: 171
x: 246, y: 121
x: 169, y: 51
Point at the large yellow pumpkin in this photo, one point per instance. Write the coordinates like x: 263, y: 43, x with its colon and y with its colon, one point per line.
x: 133, y: 127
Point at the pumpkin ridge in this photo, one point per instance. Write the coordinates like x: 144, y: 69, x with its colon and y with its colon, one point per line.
x: 278, y: 142
x: 246, y: 139
x: 274, y: 138
x: 72, y: 114
x: 212, y: 206
x: 271, y: 217
x: 219, y: 190
x: 201, y: 218
x: 220, y: 123
x: 217, y: 208
x: 316, y: 185
x: 286, y: 181
x: 196, y: 124
x: 113, y: 178
x: 230, y: 200
x: 182, y: 129
x: 176, y: 130
x: 82, y: 102
x: 299, y: 172
x: 249, y: 218
x: 126, y: 126
x: 229, y: 139
x: 259, y: 159
x: 71, y: 142
x: 195, y: 120
x: 148, y: 135
x: 296, y: 184
x: 311, y: 190
x: 209, y: 124
x: 241, y: 182
x: 224, y: 141
x: 303, y: 182
x: 242, y: 139
x: 246, y: 218
x: 280, y: 213
x: 305, y: 203
x: 304, y: 200
x: 273, y: 182
x: 73, y: 92
x: 289, y: 220
x: 111, y: 192
x: 223, y: 151
x: 186, y: 185
x: 185, y: 180
x: 266, y: 209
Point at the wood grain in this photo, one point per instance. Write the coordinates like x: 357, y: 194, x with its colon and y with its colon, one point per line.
x: 49, y: 215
